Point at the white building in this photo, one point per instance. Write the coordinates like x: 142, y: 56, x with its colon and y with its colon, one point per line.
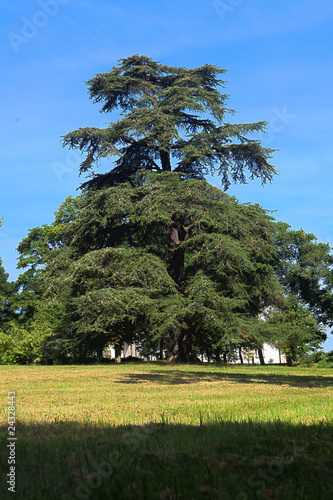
x: 271, y: 354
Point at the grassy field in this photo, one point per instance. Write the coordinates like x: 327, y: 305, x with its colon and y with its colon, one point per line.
x: 159, y: 431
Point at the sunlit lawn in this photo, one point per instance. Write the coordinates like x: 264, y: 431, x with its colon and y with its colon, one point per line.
x: 137, y: 394
x: 170, y: 431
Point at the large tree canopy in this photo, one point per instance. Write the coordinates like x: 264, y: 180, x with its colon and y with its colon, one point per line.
x: 172, y: 118
x: 164, y: 259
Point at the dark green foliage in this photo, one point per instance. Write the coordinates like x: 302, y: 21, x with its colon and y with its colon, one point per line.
x: 106, y: 295
x: 172, y: 118
x: 304, y: 267
x: 114, y: 282
x: 326, y: 360
x: 33, y: 251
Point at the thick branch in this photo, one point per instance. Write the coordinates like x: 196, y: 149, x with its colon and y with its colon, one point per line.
x: 165, y: 160
x: 187, y: 230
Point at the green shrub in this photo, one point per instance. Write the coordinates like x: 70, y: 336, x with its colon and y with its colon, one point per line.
x: 19, y: 345
x: 326, y: 360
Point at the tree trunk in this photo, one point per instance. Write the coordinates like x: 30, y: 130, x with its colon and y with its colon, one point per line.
x: 291, y: 357
x: 293, y: 353
x: 100, y: 354
x: 175, y: 255
x: 261, y: 357
x: 289, y: 360
x: 240, y: 355
x: 165, y: 161
x: 161, y: 348
x: 183, y: 348
x: 117, y: 353
x: 217, y: 355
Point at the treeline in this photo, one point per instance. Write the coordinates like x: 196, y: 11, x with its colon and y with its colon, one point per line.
x: 151, y: 253
x: 100, y: 275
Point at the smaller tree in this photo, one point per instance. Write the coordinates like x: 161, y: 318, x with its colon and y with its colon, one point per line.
x: 294, y: 330
x: 305, y: 268
x: 18, y: 345
x: 33, y: 252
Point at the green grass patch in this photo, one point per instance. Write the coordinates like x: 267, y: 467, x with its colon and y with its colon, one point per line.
x: 159, y: 431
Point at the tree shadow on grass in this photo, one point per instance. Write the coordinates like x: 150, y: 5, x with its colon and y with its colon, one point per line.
x: 222, y: 460
x: 178, y: 377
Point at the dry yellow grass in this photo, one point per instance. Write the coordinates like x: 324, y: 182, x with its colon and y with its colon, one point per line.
x: 137, y: 394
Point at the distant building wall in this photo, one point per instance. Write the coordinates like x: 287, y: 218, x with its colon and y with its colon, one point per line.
x: 271, y: 354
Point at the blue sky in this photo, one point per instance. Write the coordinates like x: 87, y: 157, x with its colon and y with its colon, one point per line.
x: 279, y: 60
